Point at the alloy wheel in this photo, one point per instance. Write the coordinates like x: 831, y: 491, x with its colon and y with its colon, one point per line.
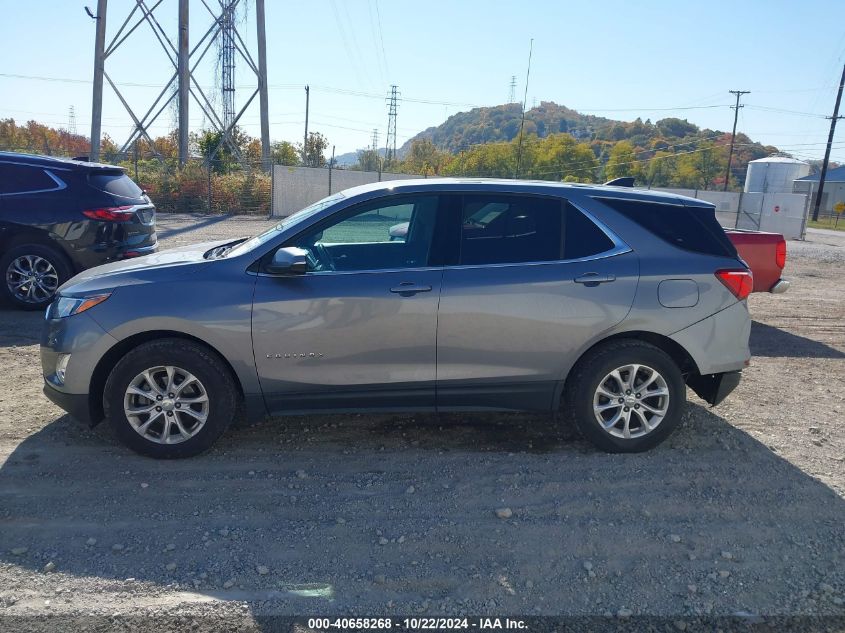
x: 631, y: 401
x: 166, y: 404
x: 31, y: 279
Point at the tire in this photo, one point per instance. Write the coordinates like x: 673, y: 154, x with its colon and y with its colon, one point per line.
x: 50, y: 269
x: 584, y: 402
x: 180, y: 421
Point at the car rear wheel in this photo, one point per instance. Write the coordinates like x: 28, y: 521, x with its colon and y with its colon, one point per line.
x: 170, y: 398
x: 626, y: 396
x: 31, y: 275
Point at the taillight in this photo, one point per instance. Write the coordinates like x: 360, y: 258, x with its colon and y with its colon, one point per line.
x: 110, y: 214
x: 738, y: 280
x: 780, y: 254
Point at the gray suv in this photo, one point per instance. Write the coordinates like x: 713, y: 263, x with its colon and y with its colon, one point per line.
x: 425, y: 295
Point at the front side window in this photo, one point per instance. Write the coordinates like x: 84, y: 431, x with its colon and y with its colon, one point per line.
x: 503, y: 229
x: 378, y: 235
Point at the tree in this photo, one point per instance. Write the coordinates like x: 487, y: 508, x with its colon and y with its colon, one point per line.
x: 314, y: 150
x: 284, y: 153
x: 424, y: 158
x: 622, y: 162
x: 561, y: 157
x: 368, y: 160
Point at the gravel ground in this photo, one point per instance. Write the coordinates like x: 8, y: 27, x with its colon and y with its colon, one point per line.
x: 741, y: 511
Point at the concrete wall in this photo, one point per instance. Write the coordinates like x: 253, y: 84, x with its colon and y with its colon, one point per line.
x: 294, y: 188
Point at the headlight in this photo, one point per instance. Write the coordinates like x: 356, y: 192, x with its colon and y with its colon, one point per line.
x: 68, y: 306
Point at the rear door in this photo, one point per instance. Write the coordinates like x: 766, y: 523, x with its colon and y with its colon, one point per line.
x: 536, y: 280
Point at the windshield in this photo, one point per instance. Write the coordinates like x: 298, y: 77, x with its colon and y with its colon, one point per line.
x: 291, y: 220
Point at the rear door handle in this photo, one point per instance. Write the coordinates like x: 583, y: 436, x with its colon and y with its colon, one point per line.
x: 594, y: 279
x: 409, y: 288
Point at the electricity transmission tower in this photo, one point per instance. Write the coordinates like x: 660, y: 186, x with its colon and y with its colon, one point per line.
x: 71, y: 121
x: 184, y: 60
x: 227, y: 59
x: 393, y: 107
x: 512, y: 93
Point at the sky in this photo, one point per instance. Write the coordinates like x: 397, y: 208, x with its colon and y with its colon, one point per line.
x: 619, y: 59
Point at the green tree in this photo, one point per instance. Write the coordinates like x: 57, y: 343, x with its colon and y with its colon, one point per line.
x: 424, y: 158
x: 284, y: 153
x: 368, y: 160
x: 315, y: 150
x: 622, y: 162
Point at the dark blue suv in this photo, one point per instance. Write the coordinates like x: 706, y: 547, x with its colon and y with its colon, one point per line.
x: 60, y: 216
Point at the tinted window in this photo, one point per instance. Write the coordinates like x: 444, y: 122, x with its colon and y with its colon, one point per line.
x: 115, y: 183
x: 516, y: 229
x: 510, y: 229
x: 691, y: 228
x: 582, y: 238
x: 385, y: 234
x: 21, y: 179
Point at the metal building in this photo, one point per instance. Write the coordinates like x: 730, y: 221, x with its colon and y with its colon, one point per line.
x: 774, y: 174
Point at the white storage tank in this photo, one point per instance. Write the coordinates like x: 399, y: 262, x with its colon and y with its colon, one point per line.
x: 774, y: 174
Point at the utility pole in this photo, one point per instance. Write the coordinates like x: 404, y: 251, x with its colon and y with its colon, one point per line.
x: 99, y: 67
x: 262, y: 86
x: 184, y: 77
x: 522, y: 123
x: 736, y: 108
x: 512, y: 93
x: 305, y: 142
x: 833, y: 120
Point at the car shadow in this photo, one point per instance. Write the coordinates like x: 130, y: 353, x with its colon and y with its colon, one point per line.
x: 767, y: 340
x: 20, y: 327
x: 396, y: 514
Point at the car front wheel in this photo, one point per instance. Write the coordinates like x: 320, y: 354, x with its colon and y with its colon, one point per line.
x: 626, y: 396
x: 170, y: 398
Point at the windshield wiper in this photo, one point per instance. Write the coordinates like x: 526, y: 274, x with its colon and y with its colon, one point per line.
x: 220, y: 251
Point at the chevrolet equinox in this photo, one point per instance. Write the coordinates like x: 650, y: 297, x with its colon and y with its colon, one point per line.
x: 603, y: 302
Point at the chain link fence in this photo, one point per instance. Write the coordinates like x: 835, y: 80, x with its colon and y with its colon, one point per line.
x: 198, y: 187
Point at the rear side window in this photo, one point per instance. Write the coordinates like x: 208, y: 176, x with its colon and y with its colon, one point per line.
x: 690, y: 228
x: 503, y: 229
x: 510, y: 229
x: 24, y: 179
x: 115, y: 183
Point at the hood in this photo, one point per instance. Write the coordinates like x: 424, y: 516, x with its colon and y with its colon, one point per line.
x: 163, y: 265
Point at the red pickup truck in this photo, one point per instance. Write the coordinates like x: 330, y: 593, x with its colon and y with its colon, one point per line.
x: 765, y: 254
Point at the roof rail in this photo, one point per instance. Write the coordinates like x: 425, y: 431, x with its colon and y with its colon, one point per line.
x: 625, y: 181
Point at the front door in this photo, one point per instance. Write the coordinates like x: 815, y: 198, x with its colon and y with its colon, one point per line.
x: 359, y: 329
x: 535, y: 281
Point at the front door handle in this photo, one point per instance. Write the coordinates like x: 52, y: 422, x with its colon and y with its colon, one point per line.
x: 408, y: 288
x: 594, y: 279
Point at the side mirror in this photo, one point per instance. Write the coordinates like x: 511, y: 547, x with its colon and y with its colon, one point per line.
x: 289, y: 260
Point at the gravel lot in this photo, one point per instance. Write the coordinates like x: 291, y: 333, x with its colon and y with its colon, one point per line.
x: 741, y: 511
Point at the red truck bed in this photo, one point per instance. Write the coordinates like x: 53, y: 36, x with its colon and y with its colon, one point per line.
x: 765, y: 254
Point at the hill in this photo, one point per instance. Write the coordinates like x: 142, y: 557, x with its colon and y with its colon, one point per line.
x: 668, y: 152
